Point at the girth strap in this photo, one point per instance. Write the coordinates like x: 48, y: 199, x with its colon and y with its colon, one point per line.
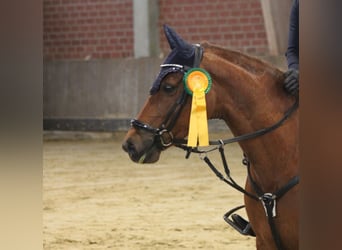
x: 269, y: 201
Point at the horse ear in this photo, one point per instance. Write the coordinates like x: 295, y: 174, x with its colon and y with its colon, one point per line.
x: 175, y: 41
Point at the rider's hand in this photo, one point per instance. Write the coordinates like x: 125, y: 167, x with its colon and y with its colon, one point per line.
x: 291, y: 83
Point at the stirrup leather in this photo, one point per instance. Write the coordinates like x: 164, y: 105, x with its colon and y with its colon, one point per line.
x: 239, y: 223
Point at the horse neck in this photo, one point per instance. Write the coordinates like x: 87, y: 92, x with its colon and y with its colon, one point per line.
x: 248, y: 100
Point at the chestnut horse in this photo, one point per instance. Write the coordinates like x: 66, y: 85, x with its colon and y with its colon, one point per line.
x: 248, y: 95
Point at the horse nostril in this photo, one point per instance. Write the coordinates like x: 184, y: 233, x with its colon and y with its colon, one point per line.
x: 129, y: 147
x: 125, y: 146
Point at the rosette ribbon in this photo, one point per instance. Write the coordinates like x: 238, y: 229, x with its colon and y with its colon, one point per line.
x: 197, y: 83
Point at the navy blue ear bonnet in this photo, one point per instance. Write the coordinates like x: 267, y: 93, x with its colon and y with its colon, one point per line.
x: 182, y: 55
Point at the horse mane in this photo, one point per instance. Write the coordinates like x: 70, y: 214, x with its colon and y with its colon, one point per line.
x: 251, y: 64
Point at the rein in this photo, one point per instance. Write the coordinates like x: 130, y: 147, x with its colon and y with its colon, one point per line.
x: 247, y: 136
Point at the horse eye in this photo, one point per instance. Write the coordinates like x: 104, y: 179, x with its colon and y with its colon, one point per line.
x: 168, y: 88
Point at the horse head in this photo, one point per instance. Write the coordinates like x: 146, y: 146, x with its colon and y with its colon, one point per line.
x: 165, y: 115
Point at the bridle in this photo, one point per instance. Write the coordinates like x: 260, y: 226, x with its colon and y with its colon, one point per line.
x: 164, y: 138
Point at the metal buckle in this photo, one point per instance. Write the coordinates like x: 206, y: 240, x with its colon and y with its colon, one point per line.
x: 269, y: 201
x: 163, y: 142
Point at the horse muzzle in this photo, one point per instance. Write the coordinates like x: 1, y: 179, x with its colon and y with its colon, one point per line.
x: 163, y: 138
x: 141, y: 150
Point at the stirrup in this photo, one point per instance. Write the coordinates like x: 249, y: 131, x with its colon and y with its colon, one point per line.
x: 239, y: 223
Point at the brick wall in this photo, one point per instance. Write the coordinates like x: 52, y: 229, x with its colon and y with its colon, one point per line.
x: 101, y: 29
x: 87, y: 29
x: 237, y: 24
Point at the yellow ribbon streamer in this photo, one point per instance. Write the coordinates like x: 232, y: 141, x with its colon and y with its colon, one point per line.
x: 198, y: 128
